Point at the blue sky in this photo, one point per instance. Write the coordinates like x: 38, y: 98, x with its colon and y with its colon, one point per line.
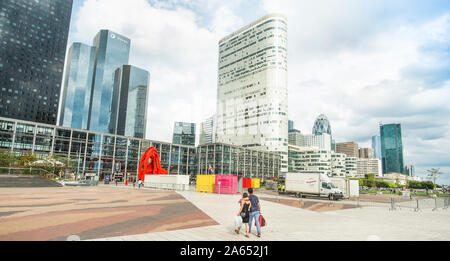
x: 358, y: 62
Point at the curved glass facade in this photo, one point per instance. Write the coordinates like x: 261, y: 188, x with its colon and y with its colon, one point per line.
x: 321, y: 125
x: 129, y: 102
x: 77, y: 86
x: 112, y: 51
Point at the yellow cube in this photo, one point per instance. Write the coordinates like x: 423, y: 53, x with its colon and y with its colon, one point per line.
x: 256, y: 183
x: 205, y: 183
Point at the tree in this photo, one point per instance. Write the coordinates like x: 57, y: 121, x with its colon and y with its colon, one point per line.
x: 6, y: 158
x: 433, y: 174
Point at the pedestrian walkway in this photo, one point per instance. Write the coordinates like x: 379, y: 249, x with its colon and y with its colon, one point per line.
x: 296, y: 224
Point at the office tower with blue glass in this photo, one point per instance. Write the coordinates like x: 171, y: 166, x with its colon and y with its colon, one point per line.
x: 184, y: 133
x: 129, y: 102
x: 33, y: 41
x: 112, y: 51
x: 376, y: 146
x: 77, y: 86
x: 391, y: 148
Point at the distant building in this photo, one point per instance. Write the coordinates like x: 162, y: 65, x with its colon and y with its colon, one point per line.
x: 338, y: 164
x: 376, y: 146
x: 129, y: 102
x: 309, y: 159
x: 366, y: 153
x: 391, y: 148
x: 321, y: 125
x: 77, y: 86
x: 184, y: 133
x: 409, y: 170
x: 322, y: 141
x: 207, y: 131
x: 295, y: 137
x: 290, y: 125
x: 351, y: 167
x: 350, y: 149
x: 367, y: 166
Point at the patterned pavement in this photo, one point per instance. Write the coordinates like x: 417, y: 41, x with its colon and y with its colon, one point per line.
x: 41, y: 214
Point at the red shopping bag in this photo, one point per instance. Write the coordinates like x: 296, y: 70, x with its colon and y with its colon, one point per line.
x: 262, y: 221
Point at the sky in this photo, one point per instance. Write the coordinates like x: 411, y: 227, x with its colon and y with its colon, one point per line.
x: 361, y: 63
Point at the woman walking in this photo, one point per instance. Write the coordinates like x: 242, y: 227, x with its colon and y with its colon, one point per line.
x: 244, y: 212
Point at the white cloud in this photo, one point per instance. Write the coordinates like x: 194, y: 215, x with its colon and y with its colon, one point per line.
x: 357, y: 62
x: 365, y: 62
x: 180, y: 55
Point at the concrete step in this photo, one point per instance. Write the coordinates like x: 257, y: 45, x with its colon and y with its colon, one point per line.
x: 22, y: 181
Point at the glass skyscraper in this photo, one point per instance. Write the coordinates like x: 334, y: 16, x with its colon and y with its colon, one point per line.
x: 391, y: 148
x: 321, y: 125
x: 129, y: 102
x: 33, y: 41
x: 77, y: 86
x: 112, y: 51
x: 184, y: 133
x: 376, y: 146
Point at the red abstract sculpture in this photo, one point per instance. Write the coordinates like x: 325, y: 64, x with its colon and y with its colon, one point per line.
x: 150, y: 164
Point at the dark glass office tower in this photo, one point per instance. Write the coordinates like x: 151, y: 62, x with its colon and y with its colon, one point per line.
x: 184, y: 133
x: 77, y: 86
x: 391, y: 148
x: 112, y: 52
x: 33, y: 41
x: 129, y: 102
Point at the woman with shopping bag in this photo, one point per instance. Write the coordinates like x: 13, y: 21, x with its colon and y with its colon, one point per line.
x: 244, y: 214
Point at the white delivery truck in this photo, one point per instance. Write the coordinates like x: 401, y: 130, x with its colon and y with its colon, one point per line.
x: 349, y: 188
x: 311, y: 184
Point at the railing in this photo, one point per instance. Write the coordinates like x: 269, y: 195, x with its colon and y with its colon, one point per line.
x: 420, y: 204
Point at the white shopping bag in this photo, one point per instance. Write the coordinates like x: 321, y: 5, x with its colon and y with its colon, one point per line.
x: 237, y: 221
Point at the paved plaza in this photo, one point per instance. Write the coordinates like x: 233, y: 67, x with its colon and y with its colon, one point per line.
x: 126, y: 213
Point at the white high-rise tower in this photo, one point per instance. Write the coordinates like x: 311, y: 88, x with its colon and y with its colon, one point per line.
x: 252, y: 99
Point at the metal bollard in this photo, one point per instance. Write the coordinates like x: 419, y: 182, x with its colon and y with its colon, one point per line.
x: 435, y: 204
x: 392, y: 204
x: 417, y: 206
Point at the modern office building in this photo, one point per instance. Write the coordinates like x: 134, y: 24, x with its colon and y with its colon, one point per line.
x: 338, y: 165
x: 321, y: 125
x: 184, y: 133
x: 309, y: 159
x: 77, y: 83
x: 391, y: 148
x: 369, y: 166
x: 409, y: 170
x: 101, y: 155
x: 290, y: 125
x: 322, y: 141
x: 228, y: 159
x: 112, y: 52
x: 33, y: 41
x: 92, y: 153
x: 207, y: 131
x: 366, y: 153
x: 351, y: 167
x: 376, y: 146
x: 252, y: 98
x: 129, y: 102
x: 350, y: 149
x: 295, y: 137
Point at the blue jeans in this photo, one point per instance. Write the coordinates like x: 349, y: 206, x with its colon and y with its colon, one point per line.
x: 255, y: 215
